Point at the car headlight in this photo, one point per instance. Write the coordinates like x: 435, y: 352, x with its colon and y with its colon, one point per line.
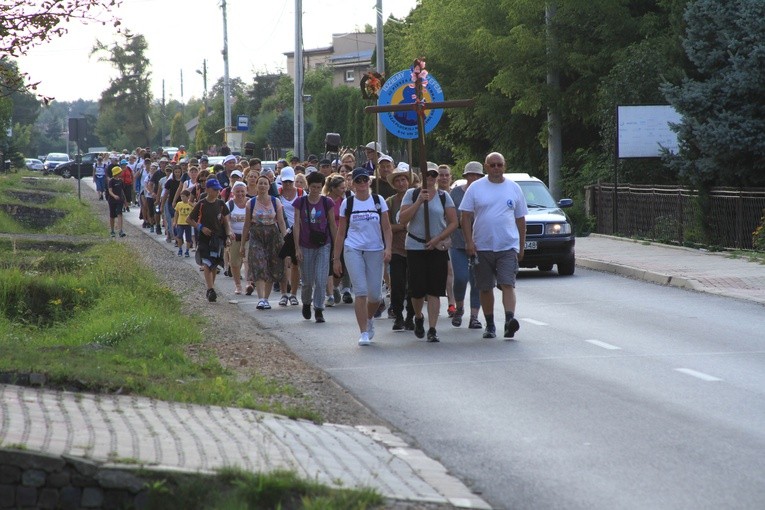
x: 554, y: 229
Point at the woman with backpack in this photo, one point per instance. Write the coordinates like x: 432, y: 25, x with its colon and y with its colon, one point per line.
x: 366, y: 247
x: 263, y: 235
x: 313, y: 231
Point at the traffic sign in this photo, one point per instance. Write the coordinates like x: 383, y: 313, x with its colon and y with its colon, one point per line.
x: 242, y: 123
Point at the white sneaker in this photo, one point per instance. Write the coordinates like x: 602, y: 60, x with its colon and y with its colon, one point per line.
x: 364, y: 339
x: 371, y: 328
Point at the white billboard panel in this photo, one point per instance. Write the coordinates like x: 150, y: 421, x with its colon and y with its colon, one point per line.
x: 644, y: 130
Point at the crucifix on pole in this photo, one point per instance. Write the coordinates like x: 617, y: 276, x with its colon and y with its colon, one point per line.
x: 419, y: 78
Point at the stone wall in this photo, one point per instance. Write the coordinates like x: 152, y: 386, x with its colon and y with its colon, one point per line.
x: 34, y: 480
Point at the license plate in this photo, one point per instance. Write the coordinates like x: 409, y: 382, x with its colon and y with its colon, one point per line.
x: 531, y: 245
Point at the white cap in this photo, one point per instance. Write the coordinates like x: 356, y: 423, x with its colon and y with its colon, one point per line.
x: 385, y: 157
x: 229, y: 158
x: 236, y: 173
x: 374, y: 146
x: 287, y: 174
x: 310, y: 170
x: 403, y: 166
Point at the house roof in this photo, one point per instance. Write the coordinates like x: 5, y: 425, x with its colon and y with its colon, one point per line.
x: 355, y: 56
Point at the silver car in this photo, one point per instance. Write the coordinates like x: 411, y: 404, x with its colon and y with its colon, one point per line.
x: 33, y: 164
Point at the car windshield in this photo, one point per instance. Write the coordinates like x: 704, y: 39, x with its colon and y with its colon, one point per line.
x: 57, y: 157
x: 536, y: 194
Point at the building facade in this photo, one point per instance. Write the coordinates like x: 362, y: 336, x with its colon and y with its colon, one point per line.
x: 349, y: 57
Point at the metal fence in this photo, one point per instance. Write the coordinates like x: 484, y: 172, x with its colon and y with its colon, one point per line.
x: 673, y: 214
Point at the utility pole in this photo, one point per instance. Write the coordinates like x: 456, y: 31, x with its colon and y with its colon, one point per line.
x: 226, y: 82
x: 381, y: 131
x: 162, y: 123
x: 298, y: 100
x: 183, y: 104
x: 554, y: 124
x: 203, y: 72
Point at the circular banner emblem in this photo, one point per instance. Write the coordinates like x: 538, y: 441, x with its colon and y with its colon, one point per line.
x: 399, y: 89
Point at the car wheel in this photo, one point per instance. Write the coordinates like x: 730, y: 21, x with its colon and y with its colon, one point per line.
x: 545, y: 267
x: 66, y: 173
x: 566, y: 268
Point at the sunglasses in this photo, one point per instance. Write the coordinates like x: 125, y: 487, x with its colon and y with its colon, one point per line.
x: 361, y: 179
x: 496, y: 165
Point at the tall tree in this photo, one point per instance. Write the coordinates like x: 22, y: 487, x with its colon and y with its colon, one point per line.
x: 126, y: 103
x: 201, y: 137
x: 722, y: 100
x: 178, y: 134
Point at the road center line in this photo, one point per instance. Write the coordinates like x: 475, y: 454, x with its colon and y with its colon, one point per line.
x: 603, y: 345
x: 698, y: 375
x: 535, y: 322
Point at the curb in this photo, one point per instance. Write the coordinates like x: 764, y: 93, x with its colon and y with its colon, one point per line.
x: 641, y: 274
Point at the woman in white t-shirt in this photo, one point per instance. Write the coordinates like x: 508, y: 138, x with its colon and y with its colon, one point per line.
x: 367, y: 248
x: 238, y: 207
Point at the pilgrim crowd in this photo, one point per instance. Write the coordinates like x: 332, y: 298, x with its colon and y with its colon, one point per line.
x: 322, y: 233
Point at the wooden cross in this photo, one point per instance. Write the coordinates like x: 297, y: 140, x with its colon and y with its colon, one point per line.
x: 419, y: 106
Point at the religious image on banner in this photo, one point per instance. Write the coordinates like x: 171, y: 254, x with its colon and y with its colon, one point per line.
x: 400, y: 90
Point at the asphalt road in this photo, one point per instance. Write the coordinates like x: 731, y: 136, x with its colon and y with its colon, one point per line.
x: 616, y: 394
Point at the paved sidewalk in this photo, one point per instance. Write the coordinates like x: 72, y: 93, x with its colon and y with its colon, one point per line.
x: 168, y: 435
x: 703, y: 271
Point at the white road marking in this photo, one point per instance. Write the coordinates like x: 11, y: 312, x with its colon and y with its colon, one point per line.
x: 603, y: 345
x: 698, y: 375
x: 535, y: 322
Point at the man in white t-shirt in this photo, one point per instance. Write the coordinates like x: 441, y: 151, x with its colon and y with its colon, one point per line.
x: 494, y: 223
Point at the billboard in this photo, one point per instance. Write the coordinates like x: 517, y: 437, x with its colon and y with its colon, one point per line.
x: 643, y: 131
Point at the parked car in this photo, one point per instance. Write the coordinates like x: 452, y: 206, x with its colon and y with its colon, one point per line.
x: 170, y: 151
x: 69, y: 169
x: 52, y: 160
x: 33, y: 164
x: 549, y: 235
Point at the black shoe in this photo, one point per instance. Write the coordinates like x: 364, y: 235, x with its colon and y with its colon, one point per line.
x: 409, y: 324
x: 227, y: 272
x: 474, y: 323
x: 511, y: 327
x: 306, y: 311
x: 432, y: 335
x: 158, y: 231
x: 457, y: 318
x: 347, y: 298
x: 276, y: 287
x: 398, y: 324
x: 491, y: 332
x: 419, y: 327
x: 319, y: 314
x: 211, y: 295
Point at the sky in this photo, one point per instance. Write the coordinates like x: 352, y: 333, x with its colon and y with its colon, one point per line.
x: 181, y: 34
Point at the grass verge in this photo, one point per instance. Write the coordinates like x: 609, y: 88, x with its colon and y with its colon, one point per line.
x: 90, y: 317
x: 236, y: 489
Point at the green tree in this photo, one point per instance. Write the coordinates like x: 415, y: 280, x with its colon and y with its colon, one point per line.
x: 178, y: 134
x: 722, y: 99
x: 201, y: 138
x: 281, y: 133
x: 126, y: 103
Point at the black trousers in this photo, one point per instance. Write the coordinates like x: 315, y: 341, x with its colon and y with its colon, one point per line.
x: 398, y: 290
